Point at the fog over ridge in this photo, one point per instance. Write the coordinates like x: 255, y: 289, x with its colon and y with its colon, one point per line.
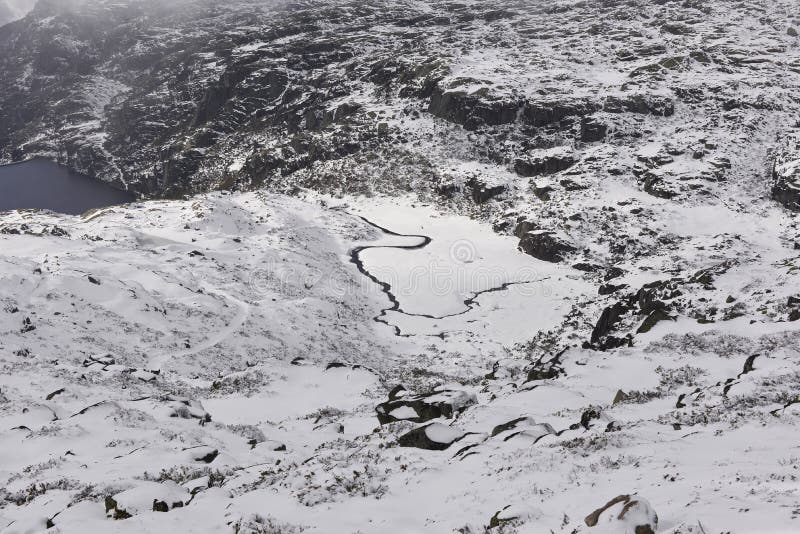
x: 11, y: 10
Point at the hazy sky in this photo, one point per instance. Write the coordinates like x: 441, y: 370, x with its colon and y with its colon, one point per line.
x: 20, y: 7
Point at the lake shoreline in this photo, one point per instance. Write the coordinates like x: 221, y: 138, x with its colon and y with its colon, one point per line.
x: 41, y: 183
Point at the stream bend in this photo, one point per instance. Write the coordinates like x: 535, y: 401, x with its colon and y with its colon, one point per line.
x: 424, y: 241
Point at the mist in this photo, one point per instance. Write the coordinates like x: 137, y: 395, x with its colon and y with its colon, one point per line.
x: 11, y: 10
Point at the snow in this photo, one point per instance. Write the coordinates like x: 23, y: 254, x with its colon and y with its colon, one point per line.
x: 436, y: 280
x: 440, y: 433
x: 224, y: 345
x: 232, y: 355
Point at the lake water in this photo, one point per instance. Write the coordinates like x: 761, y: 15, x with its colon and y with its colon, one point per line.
x: 40, y: 183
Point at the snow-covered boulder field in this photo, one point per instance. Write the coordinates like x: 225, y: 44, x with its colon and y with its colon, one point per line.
x: 402, y: 267
x: 252, y: 362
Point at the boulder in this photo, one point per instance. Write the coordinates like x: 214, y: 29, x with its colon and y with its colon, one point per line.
x: 203, y: 454
x: 147, y: 496
x: 545, y: 245
x: 403, y: 406
x: 543, y: 372
x: 144, y: 376
x: 185, y: 408
x: 624, y: 514
x: 608, y: 319
x: 270, y: 445
x: 432, y: 437
x: 27, y: 326
x: 594, y: 417
x: 524, y: 226
x: 654, y: 184
x: 507, y: 368
x: 542, y: 192
x: 653, y: 319
x: 522, y: 427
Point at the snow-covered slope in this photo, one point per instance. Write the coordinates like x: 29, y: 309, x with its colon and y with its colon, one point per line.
x: 215, y: 365
x: 507, y: 267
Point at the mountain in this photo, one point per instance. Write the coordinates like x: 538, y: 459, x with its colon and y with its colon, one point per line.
x: 496, y: 266
x: 185, y: 96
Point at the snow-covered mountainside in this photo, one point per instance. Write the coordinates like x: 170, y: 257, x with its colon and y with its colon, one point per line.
x: 405, y: 267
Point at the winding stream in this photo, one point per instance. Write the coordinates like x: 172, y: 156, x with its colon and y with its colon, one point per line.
x: 386, y: 288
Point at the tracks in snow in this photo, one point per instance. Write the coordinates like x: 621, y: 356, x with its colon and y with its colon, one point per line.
x: 156, y: 362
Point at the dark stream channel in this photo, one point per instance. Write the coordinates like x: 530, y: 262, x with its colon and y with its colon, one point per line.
x: 40, y: 183
x: 424, y: 241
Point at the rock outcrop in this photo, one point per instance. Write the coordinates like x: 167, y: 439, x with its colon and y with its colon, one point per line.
x: 547, y: 161
x: 405, y: 406
x: 472, y: 110
x: 786, y: 174
x: 545, y: 245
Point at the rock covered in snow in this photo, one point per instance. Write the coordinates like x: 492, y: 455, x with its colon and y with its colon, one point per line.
x: 522, y: 427
x: 186, y: 408
x: 146, y: 496
x: 405, y: 406
x: 432, y: 437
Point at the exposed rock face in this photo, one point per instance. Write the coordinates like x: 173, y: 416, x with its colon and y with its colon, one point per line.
x: 606, y: 323
x: 593, y: 129
x: 786, y: 174
x: 541, y: 112
x: 660, y: 105
x: 482, y: 192
x: 547, y: 161
x: 314, y: 97
x: 472, y: 110
x: 654, y: 303
x: 545, y: 245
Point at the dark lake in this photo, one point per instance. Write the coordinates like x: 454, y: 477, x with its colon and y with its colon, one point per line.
x: 40, y: 183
